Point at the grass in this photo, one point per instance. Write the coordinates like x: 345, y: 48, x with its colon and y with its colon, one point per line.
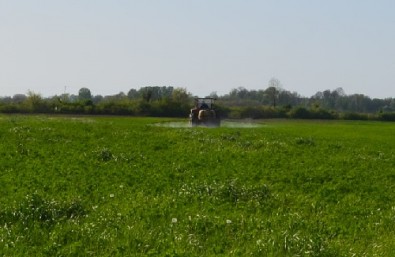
x: 105, y: 186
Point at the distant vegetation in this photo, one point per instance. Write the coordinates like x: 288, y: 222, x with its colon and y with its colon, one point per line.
x: 239, y: 103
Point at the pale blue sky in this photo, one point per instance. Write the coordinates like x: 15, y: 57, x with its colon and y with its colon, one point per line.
x: 202, y: 45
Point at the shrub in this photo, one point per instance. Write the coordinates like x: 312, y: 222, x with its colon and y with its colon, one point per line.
x: 300, y: 113
x: 354, y: 116
x: 323, y: 114
x: 387, y: 116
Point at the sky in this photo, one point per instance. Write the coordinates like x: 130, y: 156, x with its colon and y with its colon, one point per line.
x: 53, y: 47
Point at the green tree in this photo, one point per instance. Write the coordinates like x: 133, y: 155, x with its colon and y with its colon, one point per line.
x: 84, y: 94
x: 133, y: 94
x: 181, y: 95
x: 19, y: 98
x: 34, y: 102
x: 146, y: 93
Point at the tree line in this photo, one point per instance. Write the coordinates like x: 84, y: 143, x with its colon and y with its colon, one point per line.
x: 239, y: 103
x: 147, y: 101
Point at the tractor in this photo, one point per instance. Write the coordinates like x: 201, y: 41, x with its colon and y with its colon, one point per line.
x: 204, y: 114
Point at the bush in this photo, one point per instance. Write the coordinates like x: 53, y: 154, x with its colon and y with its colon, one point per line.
x: 9, y: 108
x: 256, y: 112
x: 303, y: 113
x: 323, y: 114
x: 387, y: 116
x: 354, y: 116
x: 251, y: 112
x: 222, y: 111
x: 300, y: 113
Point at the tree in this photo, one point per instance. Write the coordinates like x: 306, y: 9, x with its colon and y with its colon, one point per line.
x: 340, y: 91
x: 97, y: 99
x: 273, y: 90
x: 6, y: 100
x: 286, y: 98
x: 181, y: 95
x: 84, y: 94
x: 133, y: 94
x: 146, y: 93
x: 19, y: 98
x: 120, y: 96
x: 34, y: 102
x: 213, y: 95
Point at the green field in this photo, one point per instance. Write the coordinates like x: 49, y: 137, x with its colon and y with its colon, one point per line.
x: 111, y: 186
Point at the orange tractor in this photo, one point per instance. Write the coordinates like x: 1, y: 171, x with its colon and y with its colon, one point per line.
x: 204, y: 113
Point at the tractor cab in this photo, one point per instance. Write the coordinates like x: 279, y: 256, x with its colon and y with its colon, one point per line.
x: 204, y: 113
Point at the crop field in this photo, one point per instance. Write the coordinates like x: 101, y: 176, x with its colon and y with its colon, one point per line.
x: 119, y: 186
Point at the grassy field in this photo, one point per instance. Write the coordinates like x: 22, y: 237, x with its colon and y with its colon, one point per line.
x: 105, y: 186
